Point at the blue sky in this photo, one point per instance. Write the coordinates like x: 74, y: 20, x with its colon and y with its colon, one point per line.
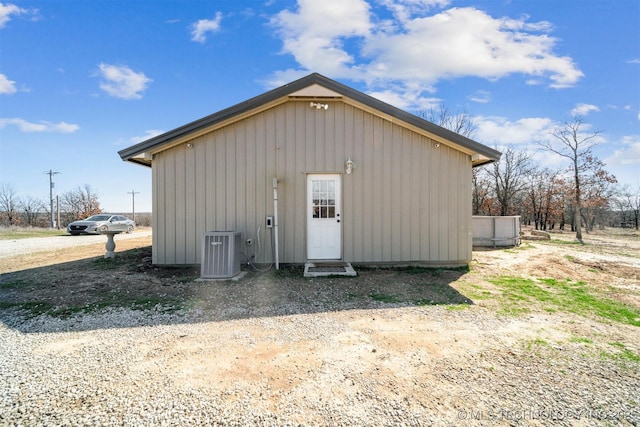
x: 81, y: 80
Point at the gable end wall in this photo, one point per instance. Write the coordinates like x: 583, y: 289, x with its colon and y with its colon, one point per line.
x: 406, y: 200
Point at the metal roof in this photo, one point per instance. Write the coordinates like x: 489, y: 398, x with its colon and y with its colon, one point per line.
x: 136, y: 152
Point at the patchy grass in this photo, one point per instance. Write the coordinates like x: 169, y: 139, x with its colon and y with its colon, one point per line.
x: 475, y: 292
x: 88, y: 285
x: 414, y: 269
x: 519, y: 295
x: 513, y: 311
x: 566, y: 242
x: 16, y: 284
x: 458, y: 307
x: 424, y: 301
x: 623, y: 353
x: 128, y: 258
x: 538, y: 342
x: 37, y: 308
x: 434, y: 271
x: 26, y: 233
x: 388, y: 299
x: 522, y: 247
x: 580, y: 340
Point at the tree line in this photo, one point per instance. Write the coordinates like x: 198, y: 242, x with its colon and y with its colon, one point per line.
x: 584, y: 194
x: 73, y: 205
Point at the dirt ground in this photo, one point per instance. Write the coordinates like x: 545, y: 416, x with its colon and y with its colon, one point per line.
x: 78, y: 276
x: 386, y: 330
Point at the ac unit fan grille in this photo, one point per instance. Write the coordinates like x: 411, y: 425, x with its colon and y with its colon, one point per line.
x: 220, y: 254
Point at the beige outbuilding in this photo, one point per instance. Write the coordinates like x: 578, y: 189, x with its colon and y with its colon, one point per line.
x: 314, y: 170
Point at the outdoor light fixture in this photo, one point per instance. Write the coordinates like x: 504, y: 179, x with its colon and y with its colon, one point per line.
x: 349, y: 166
x: 318, y: 105
x: 437, y: 145
x: 189, y: 145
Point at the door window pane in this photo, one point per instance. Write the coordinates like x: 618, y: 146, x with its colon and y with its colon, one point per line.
x: 324, y: 198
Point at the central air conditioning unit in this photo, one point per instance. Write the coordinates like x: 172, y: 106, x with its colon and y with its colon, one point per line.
x: 220, y: 254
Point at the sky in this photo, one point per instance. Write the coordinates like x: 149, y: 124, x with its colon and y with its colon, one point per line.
x: 81, y: 80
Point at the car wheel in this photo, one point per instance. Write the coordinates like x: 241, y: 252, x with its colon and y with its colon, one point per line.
x: 130, y: 229
x: 103, y: 228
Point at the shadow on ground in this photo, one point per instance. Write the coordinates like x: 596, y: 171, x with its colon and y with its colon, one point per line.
x: 57, y: 295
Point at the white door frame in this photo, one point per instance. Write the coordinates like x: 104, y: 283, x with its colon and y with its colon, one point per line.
x: 324, y: 226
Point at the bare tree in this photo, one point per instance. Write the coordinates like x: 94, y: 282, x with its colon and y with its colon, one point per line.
x: 509, y: 175
x: 544, y: 200
x: 572, y: 143
x: 9, y: 203
x: 597, y: 192
x: 482, y: 196
x: 632, y: 201
x: 32, y: 209
x: 80, y: 203
x: 458, y: 121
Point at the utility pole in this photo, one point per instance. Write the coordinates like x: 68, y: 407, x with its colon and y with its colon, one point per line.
x: 133, y: 202
x: 51, y: 186
x: 58, y: 211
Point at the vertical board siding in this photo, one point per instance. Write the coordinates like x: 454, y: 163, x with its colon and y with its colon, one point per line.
x: 179, y: 236
x: 200, y: 202
x: 406, y: 200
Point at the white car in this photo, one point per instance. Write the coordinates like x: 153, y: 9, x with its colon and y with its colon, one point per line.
x: 97, y: 224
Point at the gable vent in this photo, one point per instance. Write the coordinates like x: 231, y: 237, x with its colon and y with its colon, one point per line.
x: 220, y: 254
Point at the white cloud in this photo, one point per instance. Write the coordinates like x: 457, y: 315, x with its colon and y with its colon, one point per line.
x: 524, y: 134
x: 282, y: 77
x: 315, y: 33
x: 468, y: 42
x: 122, y: 82
x: 481, y: 97
x: 6, y: 10
x: 406, y: 100
x: 25, y: 126
x: 200, y: 28
x: 403, y: 10
x: 6, y: 86
x: 147, y: 135
x: 624, y: 163
x: 627, y: 154
x: 500, y: 130
x: 583, y: 109
x: 348, y: 39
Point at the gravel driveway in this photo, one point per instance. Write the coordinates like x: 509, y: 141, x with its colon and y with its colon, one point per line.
x: 378, y: 367
x: 9, y: 248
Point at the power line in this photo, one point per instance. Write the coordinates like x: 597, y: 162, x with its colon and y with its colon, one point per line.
x: 51, y: 173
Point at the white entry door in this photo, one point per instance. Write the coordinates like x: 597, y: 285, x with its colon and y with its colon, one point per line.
x: 324, y: 230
